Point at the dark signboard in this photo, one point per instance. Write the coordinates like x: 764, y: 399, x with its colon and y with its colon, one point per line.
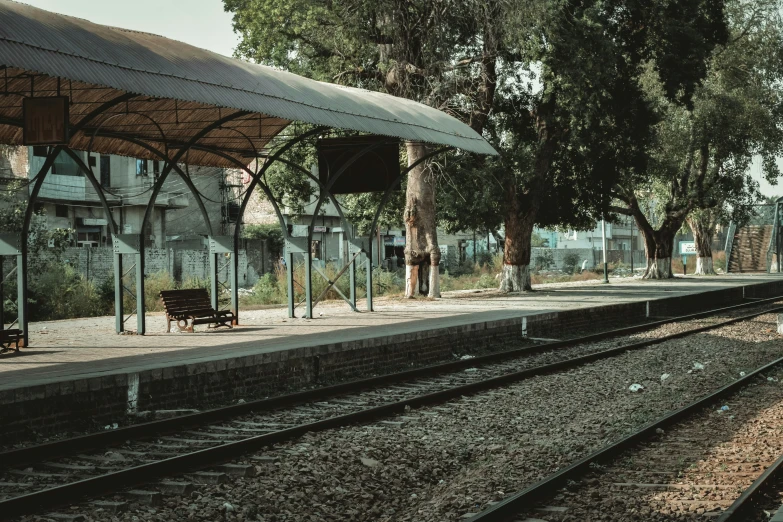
x: 373, y: 171
x: 45, y: 120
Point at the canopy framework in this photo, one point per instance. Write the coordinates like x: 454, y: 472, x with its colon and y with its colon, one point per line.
x: 145, y: 96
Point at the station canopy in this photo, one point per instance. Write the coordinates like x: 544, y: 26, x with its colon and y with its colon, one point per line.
x: 171, y: 92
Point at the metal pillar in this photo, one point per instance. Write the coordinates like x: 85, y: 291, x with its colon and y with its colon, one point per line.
x: 21, y: 295
x: 132, y: 244
x: 119, y: 313
x: 141, y: 313
x: 355, y: 246
x: 289, y: 277
x: 308, y: 264
x: 223, y: 245
x: 352, y: 282
x: 213, y: 280
x: 298, y: 245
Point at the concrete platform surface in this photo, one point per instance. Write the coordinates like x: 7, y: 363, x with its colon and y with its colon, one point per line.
x: 89, y: 347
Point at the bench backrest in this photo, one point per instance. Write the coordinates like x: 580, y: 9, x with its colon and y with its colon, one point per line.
x: 181, y: 301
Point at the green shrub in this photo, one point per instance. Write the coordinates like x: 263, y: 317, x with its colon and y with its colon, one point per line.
x: 570, y: 262
x: 58, y: 291
x: 543, y: 261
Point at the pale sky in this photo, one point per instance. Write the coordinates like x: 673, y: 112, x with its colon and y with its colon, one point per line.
x: 202, y: 23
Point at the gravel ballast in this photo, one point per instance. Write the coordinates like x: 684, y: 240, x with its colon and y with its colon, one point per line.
x: 439, y: 463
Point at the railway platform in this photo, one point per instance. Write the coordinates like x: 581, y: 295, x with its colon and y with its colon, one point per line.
x: 79, y: 371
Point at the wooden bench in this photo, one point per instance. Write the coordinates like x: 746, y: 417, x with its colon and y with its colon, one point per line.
x: 10, y: 340
x: 191, y: 307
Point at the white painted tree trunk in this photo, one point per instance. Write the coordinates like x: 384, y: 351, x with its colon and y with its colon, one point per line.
x: 704, y: 266
x: 659, y: 268
x: 411, y: 281
x: 515, y: 278
x: 434, y: 282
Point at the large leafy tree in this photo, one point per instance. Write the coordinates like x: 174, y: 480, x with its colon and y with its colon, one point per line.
x: 565, y: 137
x: 704, y: 145
x: 443, y: 54
x: 742, y: 103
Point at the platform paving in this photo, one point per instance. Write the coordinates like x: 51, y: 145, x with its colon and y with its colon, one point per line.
x: 89, y: 347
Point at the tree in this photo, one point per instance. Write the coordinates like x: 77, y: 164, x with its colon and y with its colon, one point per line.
x: 742, y: 104
x: 441, y: 55
x: 704, y: 146
x: 570, y: 114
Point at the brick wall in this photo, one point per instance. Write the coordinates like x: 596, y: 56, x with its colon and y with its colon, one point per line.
x: 97, y: 264
x: 559, y: 254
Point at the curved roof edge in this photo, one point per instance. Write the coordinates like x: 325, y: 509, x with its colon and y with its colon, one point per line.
x: 141, y: 63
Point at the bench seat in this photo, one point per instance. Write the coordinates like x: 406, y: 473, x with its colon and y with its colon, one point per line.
x: 10, y: 340
x: 191, y: 307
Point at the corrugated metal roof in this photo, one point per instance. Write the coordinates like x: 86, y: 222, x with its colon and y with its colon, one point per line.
x: 60, y: 46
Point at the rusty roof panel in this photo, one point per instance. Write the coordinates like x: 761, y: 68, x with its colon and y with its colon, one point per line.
x: 141, y: 63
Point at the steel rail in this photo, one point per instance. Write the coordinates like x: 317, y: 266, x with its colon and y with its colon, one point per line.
x: 97, y: 485
x: 65, y: 447
x: 518, y: 503
x: 738, y: 510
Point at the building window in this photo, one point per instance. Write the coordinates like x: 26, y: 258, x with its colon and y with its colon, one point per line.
x: 141, y: 167
x: 105, y: 171
x: 61, y: 211
x: 91, y: 160
x: 64, y: 165
x: 155, y: 169
x: 40, y: 151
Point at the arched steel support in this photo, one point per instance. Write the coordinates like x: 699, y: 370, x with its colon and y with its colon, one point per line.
x: 185, y: 178
x: 213, y: 265
x: 22, y: 258
x: 281, y: 220
x: 355, y: 245
x: 289, y: 254
x: 347, y: 237
x: 140, y: 308
x: 382, y: 205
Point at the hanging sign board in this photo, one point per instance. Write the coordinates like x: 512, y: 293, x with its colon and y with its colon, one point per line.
x: 319, y: 228
x: 688, y: 248
x: 45, y: 120
x: 399, y: 241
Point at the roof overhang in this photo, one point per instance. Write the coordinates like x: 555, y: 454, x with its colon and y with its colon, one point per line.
x: 171, y: 91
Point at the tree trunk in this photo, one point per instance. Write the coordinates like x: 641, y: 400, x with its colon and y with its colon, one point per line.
x: 515, y: 276
x: 658, y: 244
x: 703, y: 230
x: 660, y: 265
x: 421, y: 239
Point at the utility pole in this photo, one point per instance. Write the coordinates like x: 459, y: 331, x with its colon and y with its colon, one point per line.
x: 603, y: 234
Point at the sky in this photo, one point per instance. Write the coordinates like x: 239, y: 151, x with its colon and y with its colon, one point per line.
x: 202, y: 23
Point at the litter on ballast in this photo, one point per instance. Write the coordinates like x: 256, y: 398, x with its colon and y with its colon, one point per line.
x: 636, y: 387
x: 665, y: 376
x: 698, y: 366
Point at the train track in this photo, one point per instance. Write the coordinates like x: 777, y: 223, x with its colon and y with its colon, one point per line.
x: 691, y: 464
x: 38, y: 477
